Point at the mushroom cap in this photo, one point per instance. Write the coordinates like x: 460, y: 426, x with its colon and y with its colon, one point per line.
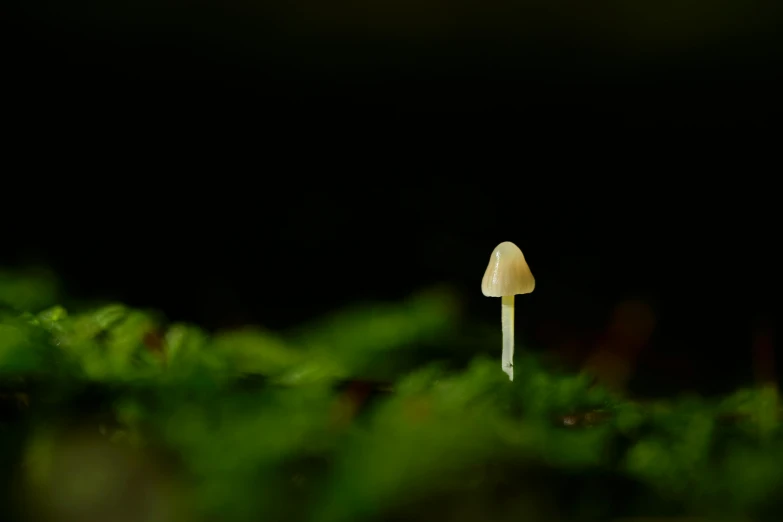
x: 507, y: 272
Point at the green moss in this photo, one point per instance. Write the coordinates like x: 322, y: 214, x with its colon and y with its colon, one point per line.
x: 253, y: 425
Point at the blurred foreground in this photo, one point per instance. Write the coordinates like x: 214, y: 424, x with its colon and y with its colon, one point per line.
x: 377, y: 413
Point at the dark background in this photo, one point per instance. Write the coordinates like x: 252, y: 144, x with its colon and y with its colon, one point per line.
x: 237, y: 163
x: 245, y: 61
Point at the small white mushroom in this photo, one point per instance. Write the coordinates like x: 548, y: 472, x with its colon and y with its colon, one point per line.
x: 507, y: 275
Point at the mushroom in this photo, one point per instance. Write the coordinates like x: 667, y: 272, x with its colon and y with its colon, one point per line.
x: 507, y: 275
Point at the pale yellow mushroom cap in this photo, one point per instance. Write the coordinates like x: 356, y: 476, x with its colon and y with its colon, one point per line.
x: 507, y: 272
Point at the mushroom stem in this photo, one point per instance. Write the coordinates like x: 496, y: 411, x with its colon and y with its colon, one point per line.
x: 507, y: 317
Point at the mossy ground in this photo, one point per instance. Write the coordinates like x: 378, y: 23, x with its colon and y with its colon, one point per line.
x: 111, y: 413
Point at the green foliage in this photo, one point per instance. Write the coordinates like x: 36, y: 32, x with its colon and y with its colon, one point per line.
x: 248, y: 425
x: 30, y: 290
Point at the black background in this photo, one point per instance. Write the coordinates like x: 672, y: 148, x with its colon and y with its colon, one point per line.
x: 234, y: 164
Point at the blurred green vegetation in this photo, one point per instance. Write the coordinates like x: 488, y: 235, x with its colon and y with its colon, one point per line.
x: 111, y: 413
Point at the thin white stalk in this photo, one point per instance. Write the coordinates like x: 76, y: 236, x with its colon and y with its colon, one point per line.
x: 507, y: 317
